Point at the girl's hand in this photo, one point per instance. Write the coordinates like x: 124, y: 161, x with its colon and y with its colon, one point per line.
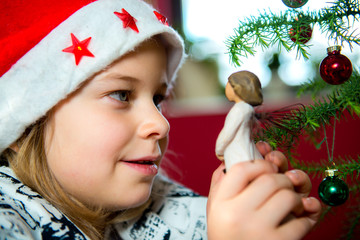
x: 300, y: 180
x: 253, y: 201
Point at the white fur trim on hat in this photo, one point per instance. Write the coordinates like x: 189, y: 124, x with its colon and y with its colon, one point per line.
x: 45, y: 75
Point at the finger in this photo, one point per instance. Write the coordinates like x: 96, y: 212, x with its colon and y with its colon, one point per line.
x: 264, y: 187
x: 301, y: 182
x: 297, y: 228
x: 312, y: 207
x: 217, y: 177
x: 280, y: 205
x: 215, y: 180
x: 279, y: 159
x: 263, y: 147
x: 241, y: 174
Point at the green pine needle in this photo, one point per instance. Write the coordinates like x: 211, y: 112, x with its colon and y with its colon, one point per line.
x: 269, y: 29
x: 272, y: 30
x: 323, y: 111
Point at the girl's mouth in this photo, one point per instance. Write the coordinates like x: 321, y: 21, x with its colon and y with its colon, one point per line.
x: 145, y: 166
x: 141, y: 162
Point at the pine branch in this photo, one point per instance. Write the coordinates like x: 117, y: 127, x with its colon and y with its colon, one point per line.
x: 336, y: 21
x: 271, y: 29
x: 345, y: 97
x: 315, y: 87
x: 349, y: 168
x: 315, y: 169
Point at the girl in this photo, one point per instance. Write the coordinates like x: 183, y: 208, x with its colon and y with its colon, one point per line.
x: 234, y: 143
x: 82, y: 135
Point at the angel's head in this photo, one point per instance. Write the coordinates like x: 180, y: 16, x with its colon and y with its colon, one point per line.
x: 247, y: 87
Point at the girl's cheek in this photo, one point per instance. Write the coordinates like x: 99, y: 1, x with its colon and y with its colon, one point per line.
x: 163, y: 143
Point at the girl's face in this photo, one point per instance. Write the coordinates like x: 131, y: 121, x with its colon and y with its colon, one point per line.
x: 104, y: 143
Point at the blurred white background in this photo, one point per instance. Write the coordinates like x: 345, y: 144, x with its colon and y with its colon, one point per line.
x: 208, y: 23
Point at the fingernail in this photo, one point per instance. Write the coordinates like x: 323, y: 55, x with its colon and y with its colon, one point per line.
x: 271, y: 157
x: 309, y: 200
x: 275, y: 167
x: 261, y: 144
x: 295, y: 174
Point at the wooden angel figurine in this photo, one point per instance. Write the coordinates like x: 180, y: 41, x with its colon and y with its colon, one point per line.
x: 234, y: 143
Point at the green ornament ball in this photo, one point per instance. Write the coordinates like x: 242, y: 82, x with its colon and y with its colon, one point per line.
x: 333, y: 191
x: 294, y: 3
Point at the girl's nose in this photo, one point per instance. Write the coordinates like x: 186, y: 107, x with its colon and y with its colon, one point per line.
x: 154, y: 124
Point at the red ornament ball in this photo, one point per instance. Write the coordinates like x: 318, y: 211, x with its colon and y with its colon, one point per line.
x: 294, y: 3
x: 335, y: 68
x: 301, y: 34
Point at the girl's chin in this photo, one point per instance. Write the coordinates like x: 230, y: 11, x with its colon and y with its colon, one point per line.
x: 131, y: 204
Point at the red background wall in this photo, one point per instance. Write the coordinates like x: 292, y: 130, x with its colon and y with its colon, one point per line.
x: 191, y: 160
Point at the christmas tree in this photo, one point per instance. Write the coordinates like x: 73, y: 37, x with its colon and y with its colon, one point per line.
x: 290, y: 31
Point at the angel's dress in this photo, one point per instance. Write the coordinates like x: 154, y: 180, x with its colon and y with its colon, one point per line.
x: 234, y: 141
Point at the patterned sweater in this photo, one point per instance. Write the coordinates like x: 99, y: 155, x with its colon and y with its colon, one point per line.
x: 175, y: 213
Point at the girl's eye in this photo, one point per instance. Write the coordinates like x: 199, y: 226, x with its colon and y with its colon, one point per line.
x: 122, y: 96
x: 158, y: 98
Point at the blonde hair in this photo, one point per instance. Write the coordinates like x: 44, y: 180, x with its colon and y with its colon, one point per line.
x: 247, y: 86
x: 30, y: 165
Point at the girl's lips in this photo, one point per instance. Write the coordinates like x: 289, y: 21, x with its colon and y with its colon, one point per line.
x: 146, y: 166
x: 146, y: 169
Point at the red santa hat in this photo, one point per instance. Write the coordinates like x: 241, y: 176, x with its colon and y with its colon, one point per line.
x: 47, y: 48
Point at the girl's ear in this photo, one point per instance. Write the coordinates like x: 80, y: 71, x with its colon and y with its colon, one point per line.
x: 14, y: 147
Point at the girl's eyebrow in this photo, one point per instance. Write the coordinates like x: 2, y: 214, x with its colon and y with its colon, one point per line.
x: 116, y: 76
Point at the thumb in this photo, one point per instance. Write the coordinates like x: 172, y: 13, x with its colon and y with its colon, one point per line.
x: 217, y: 178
